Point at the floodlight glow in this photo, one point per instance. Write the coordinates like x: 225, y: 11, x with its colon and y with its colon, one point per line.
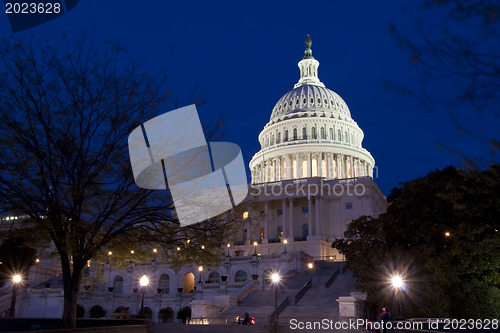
x: 275, y: 277
x: 144, y: 281
x: 310, y: 265
x: 397, y: 281
x: 16, y: 278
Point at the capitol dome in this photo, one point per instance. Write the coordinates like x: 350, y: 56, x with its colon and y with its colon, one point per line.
x: 310, y: 134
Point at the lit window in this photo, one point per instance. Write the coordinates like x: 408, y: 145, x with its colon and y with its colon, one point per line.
x: 314, y: 168
x: 241, y: 276
x: 245, y: 215
x: 304, y: 169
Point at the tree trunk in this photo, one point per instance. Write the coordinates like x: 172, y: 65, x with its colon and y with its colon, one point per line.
x: 71, y: 282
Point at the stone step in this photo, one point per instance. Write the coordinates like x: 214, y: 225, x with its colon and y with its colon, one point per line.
x: 179, y: 328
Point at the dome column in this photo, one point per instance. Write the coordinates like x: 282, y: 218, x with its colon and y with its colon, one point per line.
x: 298, y: 166
x: 309, y: 165
x: 319, y: 159
x: 288, y: 167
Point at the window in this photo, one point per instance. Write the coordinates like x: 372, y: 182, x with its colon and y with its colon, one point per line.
x: 291, y: 102
x: 280, y: 232
x: 245, y: 215
x: 304, y: 100
x: 241, y: 276
x: 323, y: 133
x: 262, y: 213
x: 164, y: 283
x: 346, y: 137
x: 304, y: 133
x: 304, y: 169
x: 331, y: 134
x: 312, y: 100
x: 118, y: 284
x: 286, y: 136
x: 339, y: 135
x: 305, y: 210
x: 213, y: 277
x: 348, y: 205
x: 314, y: 167
x: 280, y: 212
x: 305, y: 231
x: 319, y: 100
x: 295, y: 134
x: 297, y: 101
x: 313, y: 132
x: 272, y: 140
x: 279, y: 138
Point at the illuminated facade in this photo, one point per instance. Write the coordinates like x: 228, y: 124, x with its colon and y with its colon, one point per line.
x: 310, y: 179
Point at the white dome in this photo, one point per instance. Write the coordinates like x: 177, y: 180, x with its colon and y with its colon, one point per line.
x: 310, y: 134
x: 310, y: 100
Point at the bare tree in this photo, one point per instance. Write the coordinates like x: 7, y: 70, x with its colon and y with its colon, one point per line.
x: 454, y: 44
x: 65, y: 115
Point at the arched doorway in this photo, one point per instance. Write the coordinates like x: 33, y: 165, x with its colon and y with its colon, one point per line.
x: 166, y: 315
x: 188, y: 283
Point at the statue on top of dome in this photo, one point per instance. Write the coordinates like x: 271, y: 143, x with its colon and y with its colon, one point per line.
x: 308, y: 51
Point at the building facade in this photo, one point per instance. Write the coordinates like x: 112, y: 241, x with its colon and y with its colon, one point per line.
x: 310, y: 179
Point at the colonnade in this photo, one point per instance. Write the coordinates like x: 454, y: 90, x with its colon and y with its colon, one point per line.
x: 303, y: 165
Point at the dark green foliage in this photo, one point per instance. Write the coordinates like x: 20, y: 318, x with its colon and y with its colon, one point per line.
x: 447, y: 276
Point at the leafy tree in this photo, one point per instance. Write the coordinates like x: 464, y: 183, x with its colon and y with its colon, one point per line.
x: 65, y: 116
x: 454, y: 45
x: 440, y: 233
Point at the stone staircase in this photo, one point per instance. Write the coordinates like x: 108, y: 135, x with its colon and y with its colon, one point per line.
x: 320, y: 302
x: 317, y: 303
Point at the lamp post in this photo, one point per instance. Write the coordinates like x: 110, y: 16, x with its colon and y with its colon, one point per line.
x: 200, y: 269
x: 228, y: 246
x: 255, y: 248
x: 310, y: 267
x: 275, y: 277
x: 144, y: 281
x: 16, y: 279
x: 285, y: 242
x: 397, y: 284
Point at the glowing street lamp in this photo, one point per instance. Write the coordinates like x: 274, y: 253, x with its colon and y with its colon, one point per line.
x: 228, y: 246
x: 310, y: 267
x: 285, y: 242
x: 398, y: 285
x: 255, y: 247
x: 275, y: 278
x: 144, y: 281
x: 16, y: 279
x: 200, y: 269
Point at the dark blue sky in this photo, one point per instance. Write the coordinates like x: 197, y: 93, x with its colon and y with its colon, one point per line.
x: 242, y: 56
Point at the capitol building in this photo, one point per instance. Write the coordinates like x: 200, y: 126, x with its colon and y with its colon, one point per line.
x: 309, y: 180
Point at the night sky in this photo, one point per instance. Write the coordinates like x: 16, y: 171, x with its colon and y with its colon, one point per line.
x: 242, y: 57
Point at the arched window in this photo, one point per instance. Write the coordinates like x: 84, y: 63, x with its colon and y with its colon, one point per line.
x: 339, y: 135
x: 241, y: 276
x: 304, y: 133
x: 164, y: 283
x: 295, y: 134
x: 118, y: 284
x: 272, y: 140
x: 346, y: 137
x: 267, y: 142
x: 313, y: 132
x: 331, y: 134
x: 279, y: 138
x: 323, y: 133
x: 286, y: 136
x: 305, y: 231
x: 214, y: 277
